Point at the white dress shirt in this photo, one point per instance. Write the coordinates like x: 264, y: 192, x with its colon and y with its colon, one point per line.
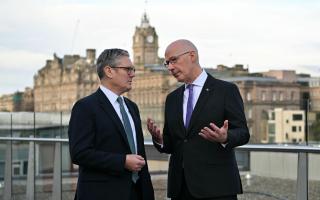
x: 197, y: 87
x: 113, y: 100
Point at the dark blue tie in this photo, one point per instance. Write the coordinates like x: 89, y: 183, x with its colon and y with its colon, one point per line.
x: 129, y: 133
x: 189, y: 105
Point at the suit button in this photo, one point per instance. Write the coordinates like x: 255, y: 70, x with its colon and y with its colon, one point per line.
x: 185, y: 140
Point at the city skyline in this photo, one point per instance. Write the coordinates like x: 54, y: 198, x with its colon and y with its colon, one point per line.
x: 264, y: 35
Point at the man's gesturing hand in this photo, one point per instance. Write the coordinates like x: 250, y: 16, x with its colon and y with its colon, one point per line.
x: 134, y: 162
x: 214, y: 133
x: 154, y: 131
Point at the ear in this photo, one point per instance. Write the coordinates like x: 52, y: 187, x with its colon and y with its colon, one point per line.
x: 108, y: 71
x: 193, y: 56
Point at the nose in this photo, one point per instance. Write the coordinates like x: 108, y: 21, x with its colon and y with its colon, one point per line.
x: 170, y: 66
x: 132, y: 74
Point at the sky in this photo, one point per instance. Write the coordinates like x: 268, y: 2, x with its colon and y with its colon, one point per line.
x: 261, y: 35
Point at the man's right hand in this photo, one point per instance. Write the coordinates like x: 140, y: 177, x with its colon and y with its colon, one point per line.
x: 154, y: 131
x: 134, y: 162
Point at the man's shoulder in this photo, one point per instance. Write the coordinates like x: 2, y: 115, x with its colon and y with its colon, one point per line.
x: 220, y: 83
x: 88, y: 99
x: 129, y: 101
x: 176, y: 91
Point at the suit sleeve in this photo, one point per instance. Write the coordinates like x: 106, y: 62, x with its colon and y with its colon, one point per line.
x: 81, y: 142
x: 167, y: 142
x: 238, y: 133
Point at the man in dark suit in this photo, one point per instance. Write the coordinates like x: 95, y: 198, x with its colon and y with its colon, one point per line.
x: 204, y: 121
x: 106, y: 139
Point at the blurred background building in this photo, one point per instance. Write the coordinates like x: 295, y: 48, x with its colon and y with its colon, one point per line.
x: 62, y: 81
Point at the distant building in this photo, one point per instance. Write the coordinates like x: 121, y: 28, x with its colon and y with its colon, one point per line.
x: 62, y: 81
x: 286, y: 126
x: 261, y: 94
x: 18, y: 101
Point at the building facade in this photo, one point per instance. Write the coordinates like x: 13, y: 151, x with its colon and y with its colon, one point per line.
x: 62, y: 81
x: 286, y: 126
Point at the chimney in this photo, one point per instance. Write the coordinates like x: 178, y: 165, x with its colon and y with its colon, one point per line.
x: 91, y: 55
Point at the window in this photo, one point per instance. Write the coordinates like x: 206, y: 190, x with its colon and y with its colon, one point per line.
x: 297, y: 117
x: 292, y: 95
x: 249, y: 96
x: 272, y: 129
x: 281, y: 96
x: 263, y: 96
x: 274, y: 96
x: 294, y: 129
x: 250, y: 113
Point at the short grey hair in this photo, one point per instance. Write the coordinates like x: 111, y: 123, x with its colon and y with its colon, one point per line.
x: 109, y: 57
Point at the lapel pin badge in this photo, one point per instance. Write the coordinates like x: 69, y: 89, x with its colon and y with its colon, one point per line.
x: 207, y: 89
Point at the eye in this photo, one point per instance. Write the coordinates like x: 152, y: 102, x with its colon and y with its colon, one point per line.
x: 173, y: 60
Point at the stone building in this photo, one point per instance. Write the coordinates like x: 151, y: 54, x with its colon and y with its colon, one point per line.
x: 18, y: 101
x: 262, y: 94
x: 62, y: 81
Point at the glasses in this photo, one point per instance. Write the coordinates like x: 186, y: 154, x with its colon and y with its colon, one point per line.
x: 130, y: 70
x: 173, y: 59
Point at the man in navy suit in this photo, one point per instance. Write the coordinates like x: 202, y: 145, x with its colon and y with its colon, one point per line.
x: 204, y: 122
x: 106, y: 139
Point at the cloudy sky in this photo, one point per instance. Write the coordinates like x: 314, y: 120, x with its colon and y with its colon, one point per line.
x: 264, y: 34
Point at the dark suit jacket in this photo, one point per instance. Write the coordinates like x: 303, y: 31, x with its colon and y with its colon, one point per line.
x: 210, y: 169
x: 98, y: 144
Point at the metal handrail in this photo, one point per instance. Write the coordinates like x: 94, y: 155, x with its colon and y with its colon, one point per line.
x: 289, y: 148
x: 301, y: 150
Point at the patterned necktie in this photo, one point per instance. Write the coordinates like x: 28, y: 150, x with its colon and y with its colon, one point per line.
x: 189, y: 105
x: 129, y: 133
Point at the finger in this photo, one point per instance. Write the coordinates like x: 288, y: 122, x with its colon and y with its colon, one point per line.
x: 154, y: 128
x: 203, y: 135
x: 206, y: 136
x: 226, y: 124
x: 210, y: 133
x: 150, y: 125
x: 139, y: 157
x: 214, y: 127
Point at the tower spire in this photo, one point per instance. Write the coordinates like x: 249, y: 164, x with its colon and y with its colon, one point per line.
x: 145, y: 20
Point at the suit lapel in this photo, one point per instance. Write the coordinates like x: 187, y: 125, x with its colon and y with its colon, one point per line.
x: 179, y: 107
x: 108, y: 108
x: 206, y: 92
x: 137, y: 124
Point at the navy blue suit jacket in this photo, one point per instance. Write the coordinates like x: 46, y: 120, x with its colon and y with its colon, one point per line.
x: 98, y: 144
x: 210, y: 169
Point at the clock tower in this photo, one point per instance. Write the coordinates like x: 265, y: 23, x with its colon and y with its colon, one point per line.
x: 145, y: 45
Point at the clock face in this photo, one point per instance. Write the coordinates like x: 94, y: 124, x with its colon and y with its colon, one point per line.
x: 150, y: 38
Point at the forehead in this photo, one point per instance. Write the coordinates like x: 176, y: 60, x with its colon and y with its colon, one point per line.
x: 124, y: 61
x: 173, y: 50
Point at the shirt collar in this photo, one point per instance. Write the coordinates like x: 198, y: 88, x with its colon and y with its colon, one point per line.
x: 109, y: 94
x: 200, y: 80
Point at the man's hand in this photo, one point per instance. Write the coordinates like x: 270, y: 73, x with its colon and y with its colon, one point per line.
x: 134, y: 162
x: 214, y: 133
x: 154, y: 131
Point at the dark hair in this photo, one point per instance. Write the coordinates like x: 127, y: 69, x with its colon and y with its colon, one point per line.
x: 109, y: 57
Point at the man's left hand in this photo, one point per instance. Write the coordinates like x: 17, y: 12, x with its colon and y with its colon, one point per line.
x: 214, y: 133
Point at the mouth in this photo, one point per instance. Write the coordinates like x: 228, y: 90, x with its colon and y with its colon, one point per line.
x: 176, y: 74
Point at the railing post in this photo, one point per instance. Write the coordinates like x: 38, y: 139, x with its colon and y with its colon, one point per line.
x: 56, y: 191
x: 8, y: 173
x: 31, y: 175
x: 302, y: 182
